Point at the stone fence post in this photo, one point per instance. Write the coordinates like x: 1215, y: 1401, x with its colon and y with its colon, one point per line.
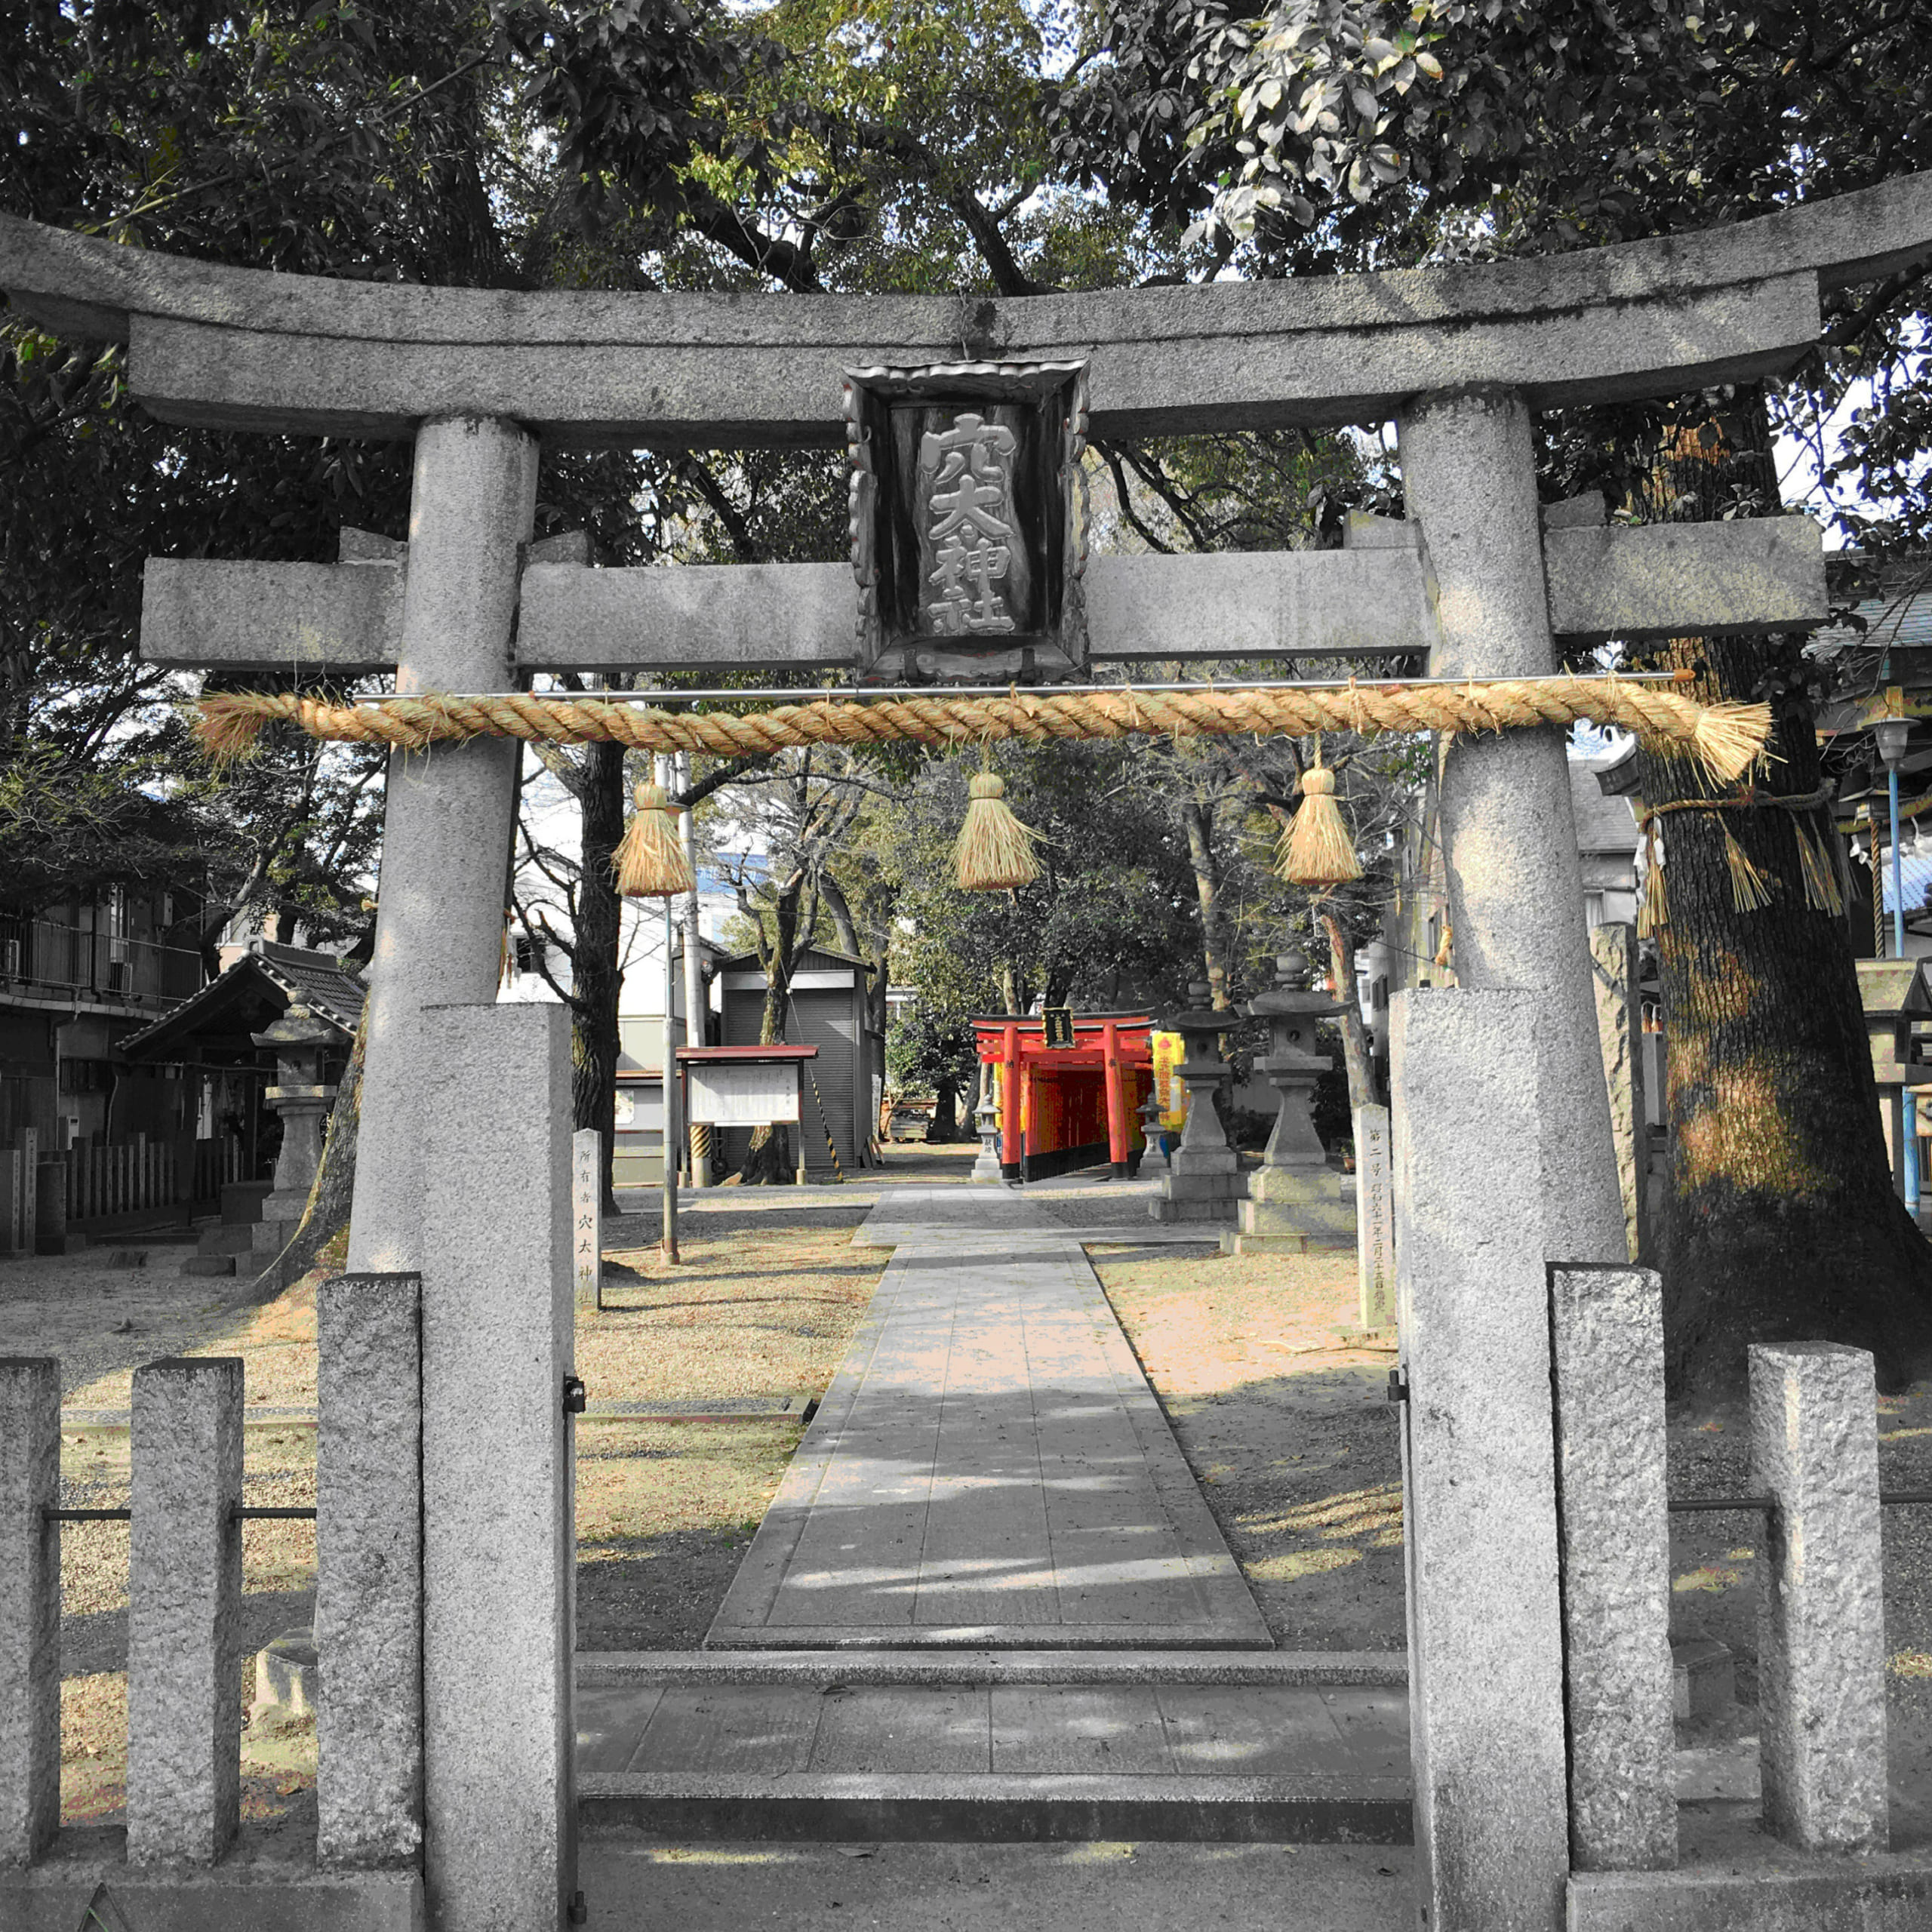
x: 369, y: 1562
x: 1478, y: 1463
x: 1606, y: 1326
x: 499, y: 1540
x: 1821, y: 1620
x: 29, y: 1607
x: 184, y: 1595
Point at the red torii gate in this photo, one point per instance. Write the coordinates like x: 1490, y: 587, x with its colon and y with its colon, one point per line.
x: 1069, y: 1092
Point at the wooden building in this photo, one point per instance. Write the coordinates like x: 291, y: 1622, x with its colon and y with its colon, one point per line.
x: 206, y: 1046
x: 829, y: 1007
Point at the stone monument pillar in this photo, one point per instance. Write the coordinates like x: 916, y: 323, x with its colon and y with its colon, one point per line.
x: 299, y: 1040
x: 1296, y: 1201
x: 1204, y: 1181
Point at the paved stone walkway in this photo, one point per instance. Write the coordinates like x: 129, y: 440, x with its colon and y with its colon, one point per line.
x: 989, y: 1467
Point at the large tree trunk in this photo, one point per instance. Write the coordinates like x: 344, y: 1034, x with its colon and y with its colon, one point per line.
x: 1197, y: 820
x: 769, y: 1161
x: 946, y: 1112
x: 1355, y: 1058
x: 1780, y: 1223
x: 595, y: 976
x: 333, y: 1192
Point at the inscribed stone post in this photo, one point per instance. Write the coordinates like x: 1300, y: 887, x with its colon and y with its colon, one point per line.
x: 1375, y: 1221
x: 30, y: 1186
x: 1479, y: 1463
x: 11, y: 1238
x: 29, y: 1607
x: 446, y: 814
x: 1606, y: 1348
x: 498, y: 1545
x: 1508, y: 829
x: 369, y: 1570
x: 1620, y: 1038
x: 587, y: 1217
x: 1821, y: 1618
x: 184, y: 1599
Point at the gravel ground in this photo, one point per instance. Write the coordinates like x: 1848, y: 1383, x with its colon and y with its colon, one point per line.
x: 1291, y: 1436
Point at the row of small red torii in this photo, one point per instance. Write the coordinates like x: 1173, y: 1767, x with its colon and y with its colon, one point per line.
x: 1119, y: 1045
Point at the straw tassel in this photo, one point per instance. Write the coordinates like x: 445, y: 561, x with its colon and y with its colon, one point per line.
x: 650, y: 863
x: 1820, y: 876
x: 1316, y: 848
x: 995, y: 851
x: 1750, y: 890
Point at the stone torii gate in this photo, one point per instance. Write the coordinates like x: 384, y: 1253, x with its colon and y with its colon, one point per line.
x: 1480, y: 581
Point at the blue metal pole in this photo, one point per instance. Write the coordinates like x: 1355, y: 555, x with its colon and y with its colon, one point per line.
x: 1908, y: 1107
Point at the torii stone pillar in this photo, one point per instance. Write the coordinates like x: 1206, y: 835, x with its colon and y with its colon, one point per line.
x: 1508, y: 835
x: 446, y: 836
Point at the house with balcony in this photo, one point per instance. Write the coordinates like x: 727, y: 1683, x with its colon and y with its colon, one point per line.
x: 77, y: 977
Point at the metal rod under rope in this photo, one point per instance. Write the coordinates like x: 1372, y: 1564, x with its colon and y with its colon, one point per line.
x: 864, y: 693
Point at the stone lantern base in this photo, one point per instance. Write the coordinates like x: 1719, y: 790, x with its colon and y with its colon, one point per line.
x: 1289, y: 1211
x: 1204, y: 1181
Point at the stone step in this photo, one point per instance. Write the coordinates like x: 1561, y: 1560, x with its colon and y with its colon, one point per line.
x: 242, y: 1200
x: 600, y: 1670
x: 956, y: 1748
x: 227, y: 1238
x: 208, y: 1264
x: 835, y: 1807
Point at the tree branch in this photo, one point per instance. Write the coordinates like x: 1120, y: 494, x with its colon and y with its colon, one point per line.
x: 979, y: 223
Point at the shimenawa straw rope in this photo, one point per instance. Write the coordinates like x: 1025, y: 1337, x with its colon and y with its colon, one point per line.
x: 1726, y: 738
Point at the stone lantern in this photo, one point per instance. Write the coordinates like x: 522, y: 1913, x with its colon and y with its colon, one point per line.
x: 1150, y: 1119
x: 299, y: 1040
x: 985, y: 1118
x: 1204, y: 1180
x: 1296, y: 1201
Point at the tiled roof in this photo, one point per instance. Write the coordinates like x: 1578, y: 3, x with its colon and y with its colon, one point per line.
x: 316, y: 979
x: 1603, y: 824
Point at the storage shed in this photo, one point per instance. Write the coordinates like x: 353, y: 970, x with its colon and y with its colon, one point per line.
x: 828, y: 1008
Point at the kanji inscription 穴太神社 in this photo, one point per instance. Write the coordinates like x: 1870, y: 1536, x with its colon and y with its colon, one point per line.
x: 970, y: 528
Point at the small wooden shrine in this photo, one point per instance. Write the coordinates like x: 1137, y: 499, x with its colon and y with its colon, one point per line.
x: 1064, y: 1106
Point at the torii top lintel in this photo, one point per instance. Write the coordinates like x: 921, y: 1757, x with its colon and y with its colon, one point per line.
x: 246, y: 349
